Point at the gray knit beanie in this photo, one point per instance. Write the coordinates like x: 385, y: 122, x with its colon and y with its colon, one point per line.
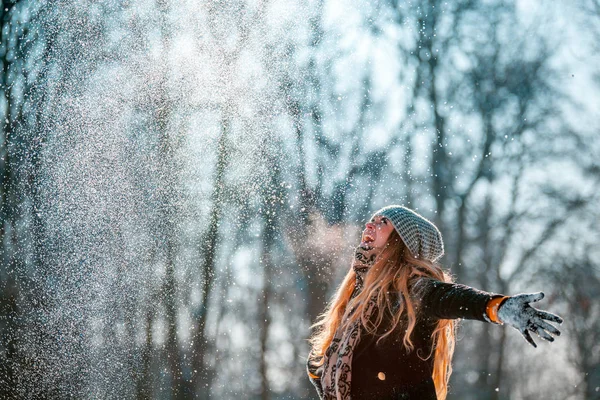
x: 420, y: 235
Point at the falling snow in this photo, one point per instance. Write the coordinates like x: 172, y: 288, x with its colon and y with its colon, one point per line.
x: 183, y: 182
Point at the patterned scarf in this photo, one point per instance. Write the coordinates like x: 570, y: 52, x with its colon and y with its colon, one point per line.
x: 337, y: 366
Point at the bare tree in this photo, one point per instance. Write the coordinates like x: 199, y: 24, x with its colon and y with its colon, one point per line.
x: 208, y: 243
x: 580, y: 285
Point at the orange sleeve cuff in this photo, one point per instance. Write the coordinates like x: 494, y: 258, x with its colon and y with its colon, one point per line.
x: 492, y: 309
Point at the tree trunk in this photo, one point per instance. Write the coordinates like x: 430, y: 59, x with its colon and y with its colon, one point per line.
x: 498, y: 374
x: 207, y: 248
x: 270, y: 213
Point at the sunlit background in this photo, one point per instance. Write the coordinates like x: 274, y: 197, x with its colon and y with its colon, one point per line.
x: 182, y: 184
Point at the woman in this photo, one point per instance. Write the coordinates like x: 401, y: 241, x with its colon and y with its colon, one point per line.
x: 388, y: 332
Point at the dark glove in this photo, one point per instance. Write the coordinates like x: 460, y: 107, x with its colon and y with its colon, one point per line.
x: 516, y: 312
x: 314, y: 375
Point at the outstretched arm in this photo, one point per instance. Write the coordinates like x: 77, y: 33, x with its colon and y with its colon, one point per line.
x: 444, y: 300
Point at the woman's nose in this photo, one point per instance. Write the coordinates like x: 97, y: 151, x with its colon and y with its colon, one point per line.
x: 369, y: 225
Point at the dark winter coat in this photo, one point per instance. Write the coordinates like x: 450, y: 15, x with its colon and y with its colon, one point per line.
x: 387, y: 371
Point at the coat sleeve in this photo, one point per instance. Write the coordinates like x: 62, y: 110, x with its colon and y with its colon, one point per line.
x: 444, y: 300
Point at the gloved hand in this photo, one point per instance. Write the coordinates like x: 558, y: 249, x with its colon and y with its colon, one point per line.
x: 516, y: 312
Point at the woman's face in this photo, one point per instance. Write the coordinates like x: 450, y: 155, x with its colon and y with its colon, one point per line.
x: 377, y: 231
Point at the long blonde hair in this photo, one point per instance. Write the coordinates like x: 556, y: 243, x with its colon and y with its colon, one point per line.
x: 394, y: 271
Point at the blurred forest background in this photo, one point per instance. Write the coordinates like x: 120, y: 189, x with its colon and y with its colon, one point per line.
x: 182, y: 184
